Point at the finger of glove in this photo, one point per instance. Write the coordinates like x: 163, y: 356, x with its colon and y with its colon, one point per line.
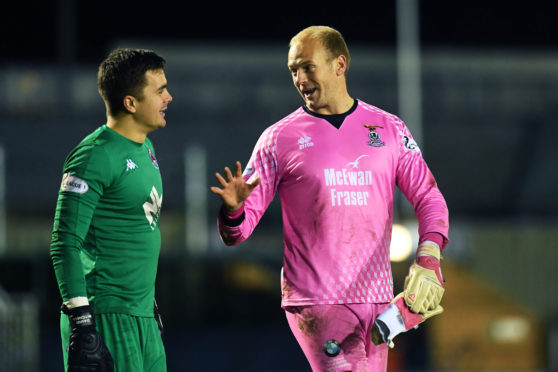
x: 429, y: 314
x: 427, y: 296
x: 87, y: 350
x: 109, y: 363
x: 422, y: 289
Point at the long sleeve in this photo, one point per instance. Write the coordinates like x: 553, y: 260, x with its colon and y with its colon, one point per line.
x: 80, y: 191
x: 415, y: 180
x: 263, y: 163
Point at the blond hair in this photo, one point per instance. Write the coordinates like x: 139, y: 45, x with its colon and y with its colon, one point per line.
x: 330, y: 38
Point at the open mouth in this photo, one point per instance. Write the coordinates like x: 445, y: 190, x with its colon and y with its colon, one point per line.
x: 308, y: 92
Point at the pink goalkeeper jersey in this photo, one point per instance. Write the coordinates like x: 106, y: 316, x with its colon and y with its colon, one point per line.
x: 336, y: 188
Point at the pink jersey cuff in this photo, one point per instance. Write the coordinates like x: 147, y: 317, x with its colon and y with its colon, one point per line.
x: 234, y: 214
x: 434, y: 237
x: 233, y: 218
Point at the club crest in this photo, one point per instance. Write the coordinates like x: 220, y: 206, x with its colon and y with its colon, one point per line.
x: 153, y: 159
x: 374, y: 136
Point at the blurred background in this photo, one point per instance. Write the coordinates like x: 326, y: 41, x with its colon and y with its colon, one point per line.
x: 475, y: 82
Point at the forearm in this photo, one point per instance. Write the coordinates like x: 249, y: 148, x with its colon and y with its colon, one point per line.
x: 71, y: 223
x: 230, y: 225
x: 433, y: 218
x: 68, y: 269
x: 419, y: 186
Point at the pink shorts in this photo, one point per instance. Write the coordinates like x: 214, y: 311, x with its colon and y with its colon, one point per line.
x: 336, y: 338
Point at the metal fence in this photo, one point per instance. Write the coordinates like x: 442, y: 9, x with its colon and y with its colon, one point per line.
x: 19, y: 333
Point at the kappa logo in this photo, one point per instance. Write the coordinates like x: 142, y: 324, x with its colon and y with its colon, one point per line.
x: 130, y: 164
x: 354, y: 164
x: 304, y: 142
x: 374, y: 136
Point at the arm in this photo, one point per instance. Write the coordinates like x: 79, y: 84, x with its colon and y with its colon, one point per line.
x: 246, y: 195
x: 419, y: 186
x: 424, y: 286
x: 233, y: 192
x: 80, y: 191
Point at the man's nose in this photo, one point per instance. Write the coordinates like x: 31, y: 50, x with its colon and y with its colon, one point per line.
x: 300, y: 78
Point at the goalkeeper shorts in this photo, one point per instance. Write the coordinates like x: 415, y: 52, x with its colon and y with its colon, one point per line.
x: 336, y: 338
x: 134, y: 342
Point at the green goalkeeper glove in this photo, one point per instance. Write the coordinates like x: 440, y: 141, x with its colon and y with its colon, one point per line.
x: 87, y: 351
x: 424, y: 285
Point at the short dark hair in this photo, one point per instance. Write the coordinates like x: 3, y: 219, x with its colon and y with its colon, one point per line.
x: 122, y: 73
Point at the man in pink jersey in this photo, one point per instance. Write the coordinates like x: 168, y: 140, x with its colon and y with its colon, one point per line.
x: 335, y: 163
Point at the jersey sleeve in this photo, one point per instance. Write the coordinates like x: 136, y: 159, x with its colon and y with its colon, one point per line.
x: 415, y: 180
x: 86, y: 174
x: 263, y: 163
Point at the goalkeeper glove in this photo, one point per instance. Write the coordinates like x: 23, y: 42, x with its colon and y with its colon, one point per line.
x: 424, y: 285
x: 87, y: 351
x: 397, y: 318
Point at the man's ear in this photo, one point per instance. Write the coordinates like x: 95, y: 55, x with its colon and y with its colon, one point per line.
x: 129, y: 103
x: 341, y: 65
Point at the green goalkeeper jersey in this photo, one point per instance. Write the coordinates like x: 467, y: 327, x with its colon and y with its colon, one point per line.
x: 106, y: 239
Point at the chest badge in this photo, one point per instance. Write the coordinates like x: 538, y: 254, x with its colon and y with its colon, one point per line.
x: 153, y: 159
x: 374, y: 136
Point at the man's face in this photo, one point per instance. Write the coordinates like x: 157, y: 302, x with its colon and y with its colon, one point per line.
x: 154, y: 101
x: 313, y: 73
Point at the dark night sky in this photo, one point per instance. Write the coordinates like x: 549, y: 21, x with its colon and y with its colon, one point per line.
x: 33, y: 27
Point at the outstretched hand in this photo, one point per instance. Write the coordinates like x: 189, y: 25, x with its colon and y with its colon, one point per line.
x: 234, y: 190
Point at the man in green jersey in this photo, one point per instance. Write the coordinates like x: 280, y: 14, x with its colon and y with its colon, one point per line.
x: 106, y: 239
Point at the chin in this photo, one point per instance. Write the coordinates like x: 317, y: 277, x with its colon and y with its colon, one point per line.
x: 312, y: 105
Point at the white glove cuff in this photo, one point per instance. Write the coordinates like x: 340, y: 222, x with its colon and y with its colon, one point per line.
x: 76, y: 302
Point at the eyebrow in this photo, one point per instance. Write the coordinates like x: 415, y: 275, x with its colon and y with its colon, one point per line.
x: 301, y: 63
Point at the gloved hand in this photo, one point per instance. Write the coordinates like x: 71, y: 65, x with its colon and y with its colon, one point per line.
x: 396, y: 319
x: 424, y: 285
x: 87, y: 351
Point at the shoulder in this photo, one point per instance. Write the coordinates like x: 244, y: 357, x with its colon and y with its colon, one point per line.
x: 380, y: 115
x: 288, y: 120
x: 275, y: 130
x: 92, y: 149
x: 148, y: 143
x: 392, y: 123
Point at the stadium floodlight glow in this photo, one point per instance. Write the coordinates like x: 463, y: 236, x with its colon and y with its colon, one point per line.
x: 509, y: 329
x: 401, y: 243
